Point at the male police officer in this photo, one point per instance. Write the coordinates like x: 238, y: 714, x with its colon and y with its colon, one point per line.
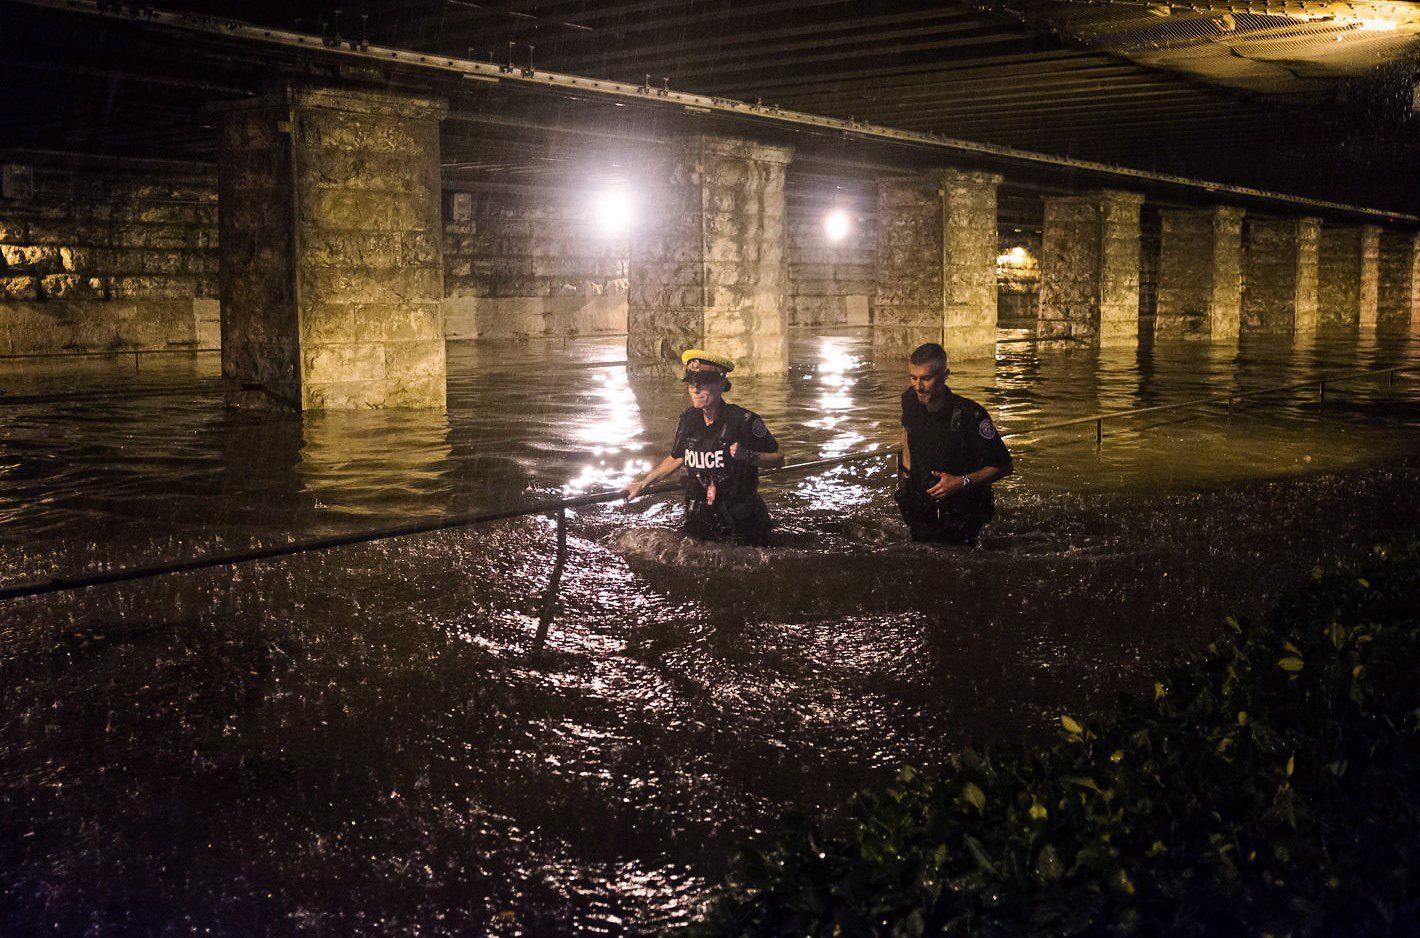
x: 723, y: 447
x: 951, y: 453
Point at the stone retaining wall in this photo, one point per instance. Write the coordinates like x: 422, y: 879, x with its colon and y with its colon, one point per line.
x: 525, y: 265
x: 127, y: 260
x: 830, y: 284
x: 1017, y: 279
x: 109, y: 259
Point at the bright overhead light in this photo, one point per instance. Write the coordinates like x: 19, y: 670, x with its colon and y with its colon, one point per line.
x: 614, y: 210
x: 836, y: 225
x: 1015, y: 257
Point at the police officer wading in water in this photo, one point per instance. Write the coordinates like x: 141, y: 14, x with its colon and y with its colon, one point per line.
x: 723, y: 447
x: 951, y: 453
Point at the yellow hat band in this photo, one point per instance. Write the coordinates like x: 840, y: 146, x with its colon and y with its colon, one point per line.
x: 704, y: 357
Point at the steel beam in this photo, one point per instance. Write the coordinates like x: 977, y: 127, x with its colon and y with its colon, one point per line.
x: 237, y: 32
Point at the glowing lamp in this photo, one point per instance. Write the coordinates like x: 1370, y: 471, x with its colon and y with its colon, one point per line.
x: 614, y: 211
x: 836, y: 225
x: 1015, y: 257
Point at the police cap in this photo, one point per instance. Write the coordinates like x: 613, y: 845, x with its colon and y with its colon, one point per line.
x: 701, y: 365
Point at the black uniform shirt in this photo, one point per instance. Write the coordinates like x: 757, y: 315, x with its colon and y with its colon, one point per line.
x: 959, y: 439
x: 706, y: 451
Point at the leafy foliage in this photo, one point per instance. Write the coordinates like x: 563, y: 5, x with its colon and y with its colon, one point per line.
x: 1267, y: 786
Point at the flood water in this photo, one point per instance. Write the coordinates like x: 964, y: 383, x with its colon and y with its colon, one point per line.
x: 360, y: 741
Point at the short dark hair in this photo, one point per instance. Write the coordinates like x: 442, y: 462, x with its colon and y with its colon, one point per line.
x: 930, y: 354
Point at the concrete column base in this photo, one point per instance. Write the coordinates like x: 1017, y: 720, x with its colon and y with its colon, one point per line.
x: 331, y: 268
x: 1089, y: 268
x: 1280, y: 276
x: 1200, y: 273
x: 708, y: 267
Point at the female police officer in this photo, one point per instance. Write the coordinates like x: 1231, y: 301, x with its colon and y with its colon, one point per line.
x: 723, y: 447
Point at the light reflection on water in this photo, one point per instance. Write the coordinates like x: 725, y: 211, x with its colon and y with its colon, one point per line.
x: 358, y: 741
x: 530, y: 419
x: 613, y: 426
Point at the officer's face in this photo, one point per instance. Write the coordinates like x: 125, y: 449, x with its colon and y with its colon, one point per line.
x: 703, y: 395
x: 927, y: 381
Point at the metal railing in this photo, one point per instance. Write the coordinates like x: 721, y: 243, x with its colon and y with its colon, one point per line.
x: 1319, y: 383
x: 557, y: 507
x: 1099, y: 418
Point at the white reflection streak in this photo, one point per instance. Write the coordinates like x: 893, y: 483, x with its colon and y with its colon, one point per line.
x: 836, y: 397
x: 612, y: 425
x: 836, y: 490
x: 841, y: 445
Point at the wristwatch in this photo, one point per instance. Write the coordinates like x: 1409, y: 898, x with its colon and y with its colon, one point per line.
x: 965, y: 482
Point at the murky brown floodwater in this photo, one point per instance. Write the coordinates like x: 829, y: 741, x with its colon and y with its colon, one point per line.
x: 358, y: 741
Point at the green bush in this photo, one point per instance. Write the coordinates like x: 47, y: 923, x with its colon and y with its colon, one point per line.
x: 1267, y: 786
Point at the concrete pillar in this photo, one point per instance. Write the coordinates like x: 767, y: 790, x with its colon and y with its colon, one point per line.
x: 970, y: 244
x: 1370, y: 276
x: 1280, y: 276
x: 1200, y: 273
x: 935, y: 278
x: 1398, y: 287
x: 1089, y: 268
x: 708, y: 265
x: 331, y: 268
x: 1347, y: 260
x: 908, y: 299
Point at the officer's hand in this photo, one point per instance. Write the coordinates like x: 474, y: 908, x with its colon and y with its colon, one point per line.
x: 740, y: 452
x: 633, y: 489
x: 944, y: 486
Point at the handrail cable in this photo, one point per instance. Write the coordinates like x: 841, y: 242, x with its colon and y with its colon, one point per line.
x: 557, y: 507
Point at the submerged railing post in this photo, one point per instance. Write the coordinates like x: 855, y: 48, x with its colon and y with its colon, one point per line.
x: 1321, y: 391
x: 1099, y: 432
x: 549, y: 600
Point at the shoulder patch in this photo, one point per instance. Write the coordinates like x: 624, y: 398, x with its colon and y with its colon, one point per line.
x: 758, y: 428
x: 986, y: 428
